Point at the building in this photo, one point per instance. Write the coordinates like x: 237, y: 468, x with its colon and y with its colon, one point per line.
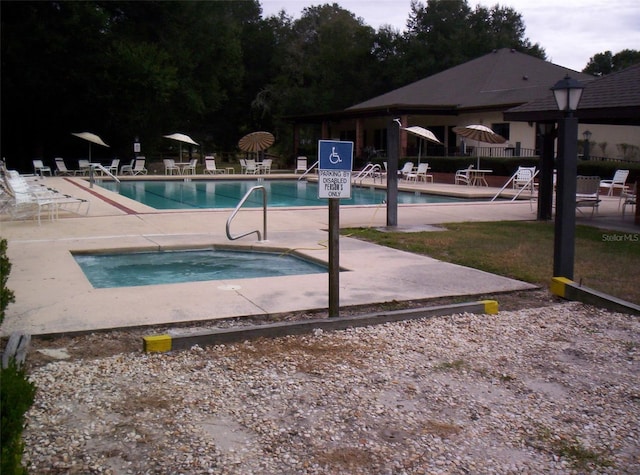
x: 479, y: 91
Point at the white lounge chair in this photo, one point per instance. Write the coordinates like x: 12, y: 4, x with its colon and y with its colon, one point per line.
x: 210, y: 165
x: 39, y: 168
x: 301, y: 165
x: 618, y: 181
x: 138, y: 167
x: 406, y: 170
x: 61, y: 168
x: 83, y: 167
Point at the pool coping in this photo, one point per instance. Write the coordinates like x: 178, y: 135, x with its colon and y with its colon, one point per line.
x: 54, y: 297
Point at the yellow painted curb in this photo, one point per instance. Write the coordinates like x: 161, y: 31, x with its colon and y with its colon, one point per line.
x: 490, y: 306
x: 559, y: 285
x: 157, y: 343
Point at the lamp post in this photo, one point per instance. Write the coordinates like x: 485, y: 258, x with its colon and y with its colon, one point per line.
x: 587, y: 151
x: 136, y: 146
x: 567, y: 93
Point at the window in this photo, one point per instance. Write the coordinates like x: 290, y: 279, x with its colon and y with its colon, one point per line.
x: 501, y: 129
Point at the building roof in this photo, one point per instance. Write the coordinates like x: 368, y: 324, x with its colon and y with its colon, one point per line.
x: 610, y: 99
x: 500, y: 79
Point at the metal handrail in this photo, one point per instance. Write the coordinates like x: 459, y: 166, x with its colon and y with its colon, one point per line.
x: 530, y: 183
x: 93, y: 167
x: 370, y: 170
x: 264, y: 215
x: 308, y: 170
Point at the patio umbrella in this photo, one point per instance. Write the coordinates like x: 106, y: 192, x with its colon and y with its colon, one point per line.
x: 423, y: 134
x: 182, y: 138
x: 479, y: 133
x: 256, y: 141
x: 91, y: 138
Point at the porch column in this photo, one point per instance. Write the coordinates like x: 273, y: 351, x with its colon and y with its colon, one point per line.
x: 545, y: 189
x: 296, y: 140
x: 359, y: 145
x: 404, y: 120
x: 324, y: 132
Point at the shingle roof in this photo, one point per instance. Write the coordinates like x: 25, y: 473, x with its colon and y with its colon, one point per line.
x: 499, y: 79
x: 614, y: 98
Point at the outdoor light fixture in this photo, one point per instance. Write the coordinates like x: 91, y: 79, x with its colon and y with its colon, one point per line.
x: 567, y: 93
x: 587, y: 135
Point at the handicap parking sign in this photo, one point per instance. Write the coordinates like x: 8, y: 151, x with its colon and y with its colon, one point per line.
x: 335, y: 161
x: 335, y: 155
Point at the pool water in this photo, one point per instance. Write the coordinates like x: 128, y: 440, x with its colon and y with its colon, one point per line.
x: 171, y: 194
x: 134, y: 269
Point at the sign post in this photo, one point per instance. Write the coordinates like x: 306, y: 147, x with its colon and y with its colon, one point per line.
x: 335, y: 162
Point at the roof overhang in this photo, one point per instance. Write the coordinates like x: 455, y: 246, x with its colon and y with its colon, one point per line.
x: 361, y: 113
x: 607, y: 115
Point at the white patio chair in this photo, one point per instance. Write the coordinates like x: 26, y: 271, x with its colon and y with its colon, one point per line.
x: 524, y: 178
x: 170, y: 166
x: 251, y: 167
x: 463, y: 177
x: 265, y: 166
x: 618, y: 181
x: 588, y: 193
x: 628, y: 198
x: 191, y: 168
x: 113, y: 168
x: 83, y: 166
x: 421, y: 173
x: 39, y: 168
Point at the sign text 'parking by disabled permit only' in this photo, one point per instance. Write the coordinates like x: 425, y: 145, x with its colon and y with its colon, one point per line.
x: 335, y: 162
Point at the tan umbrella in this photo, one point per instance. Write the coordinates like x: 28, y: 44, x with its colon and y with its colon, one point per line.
x: 479, y: 133
x: 423, y: 134
x: 182, y: 138
x: 256, y: 141
x: 91, y: 138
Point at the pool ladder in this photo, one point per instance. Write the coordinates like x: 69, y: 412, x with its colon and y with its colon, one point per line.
x: 264, y: 215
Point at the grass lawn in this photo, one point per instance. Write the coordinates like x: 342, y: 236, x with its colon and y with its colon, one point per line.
x: 608, y: 261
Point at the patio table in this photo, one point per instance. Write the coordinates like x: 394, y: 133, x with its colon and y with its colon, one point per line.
x: 477, y: 177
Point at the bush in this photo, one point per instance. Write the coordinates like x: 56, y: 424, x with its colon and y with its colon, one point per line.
x: 16, y: 396
x: 6, y: 295
x: 16, y: 391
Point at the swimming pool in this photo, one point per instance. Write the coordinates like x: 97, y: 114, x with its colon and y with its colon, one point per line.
x: 133, y: 269
x: 179, y: 194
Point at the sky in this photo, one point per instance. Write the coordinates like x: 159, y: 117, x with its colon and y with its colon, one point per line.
x: 570, y: 31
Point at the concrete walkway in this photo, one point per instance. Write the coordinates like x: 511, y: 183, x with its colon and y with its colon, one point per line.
x: 53, y: 296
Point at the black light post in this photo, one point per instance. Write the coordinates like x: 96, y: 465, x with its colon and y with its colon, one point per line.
x: 587, y: 151
x: 567, y: 93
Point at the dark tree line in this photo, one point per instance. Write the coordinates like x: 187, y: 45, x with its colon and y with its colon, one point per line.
x: 215, y: 70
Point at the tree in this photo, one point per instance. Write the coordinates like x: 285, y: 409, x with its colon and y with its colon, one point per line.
x: 605, y: 63
x: 445, y: 33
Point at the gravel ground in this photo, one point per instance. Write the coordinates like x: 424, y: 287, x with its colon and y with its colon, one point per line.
x: 549, y: 390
